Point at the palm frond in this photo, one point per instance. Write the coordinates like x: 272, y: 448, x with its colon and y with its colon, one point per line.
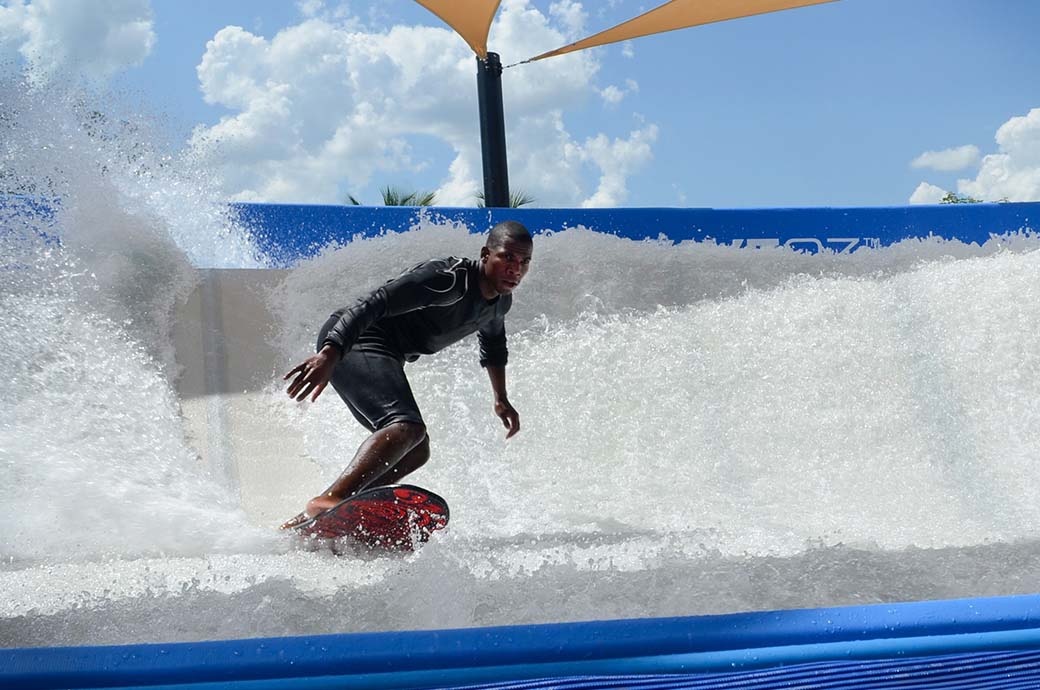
x: 392, y: 196
x: 517, y: 199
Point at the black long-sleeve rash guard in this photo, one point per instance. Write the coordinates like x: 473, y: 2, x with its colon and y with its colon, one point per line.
x: 426, y: 309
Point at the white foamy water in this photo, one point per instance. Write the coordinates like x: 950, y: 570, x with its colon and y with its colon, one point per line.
x: 705, y: 429
x: 756, y: 403
x: 92, y: 449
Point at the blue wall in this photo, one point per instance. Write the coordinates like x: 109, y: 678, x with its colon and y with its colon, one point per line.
x: 289, y: 231
x: 286, y: 232
x: 994, y: 641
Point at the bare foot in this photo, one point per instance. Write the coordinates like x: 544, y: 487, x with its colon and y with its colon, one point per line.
x: 319, y: 504
x: 293, y: 522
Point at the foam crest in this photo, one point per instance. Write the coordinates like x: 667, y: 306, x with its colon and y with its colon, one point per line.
x: 95, y: 462
x: 680, y: 389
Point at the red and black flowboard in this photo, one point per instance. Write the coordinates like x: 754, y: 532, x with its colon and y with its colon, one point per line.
x: 398, y: 517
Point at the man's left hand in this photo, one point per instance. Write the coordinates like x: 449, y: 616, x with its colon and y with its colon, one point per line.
x: 510, y: 418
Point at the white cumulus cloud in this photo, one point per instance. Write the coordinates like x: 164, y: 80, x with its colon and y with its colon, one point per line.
x: 612, y: 95
x: 310, y: 8
x: 571, y: 15
x: 85, y: 38
x: 1014, y: 172
x: 948, y: 159
x: 616, y: 160
x: 927, y: 194
x: 324, y: 108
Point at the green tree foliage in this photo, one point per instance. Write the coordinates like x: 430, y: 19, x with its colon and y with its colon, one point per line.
x: 516, y: 199
x: 952, y: 198
x: 393, y: 196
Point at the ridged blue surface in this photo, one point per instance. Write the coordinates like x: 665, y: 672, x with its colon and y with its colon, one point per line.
x: 985, y: 671
x: 968, y: 643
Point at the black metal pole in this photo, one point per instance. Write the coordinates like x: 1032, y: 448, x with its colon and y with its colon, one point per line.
x: 492, y: 131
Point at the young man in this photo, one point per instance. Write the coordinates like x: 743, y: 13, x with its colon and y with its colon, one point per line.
x: 362, y: 350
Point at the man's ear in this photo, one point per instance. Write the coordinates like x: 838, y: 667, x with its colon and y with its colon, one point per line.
x: 484, y: 253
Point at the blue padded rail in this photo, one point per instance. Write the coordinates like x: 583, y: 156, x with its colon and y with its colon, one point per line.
x: 987, y: 640
x: 290, y: 231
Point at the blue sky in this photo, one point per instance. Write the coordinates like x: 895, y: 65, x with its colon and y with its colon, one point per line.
x: 825, y: 105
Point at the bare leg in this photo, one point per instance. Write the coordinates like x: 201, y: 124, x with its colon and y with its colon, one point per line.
x: 415, y: 459
x: 378, y: 455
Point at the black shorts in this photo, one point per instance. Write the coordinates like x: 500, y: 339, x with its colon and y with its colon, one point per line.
x: 373, y: 386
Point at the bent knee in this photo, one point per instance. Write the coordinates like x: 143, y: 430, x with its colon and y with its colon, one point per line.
x: 422, y: 449
x: 413, y: 432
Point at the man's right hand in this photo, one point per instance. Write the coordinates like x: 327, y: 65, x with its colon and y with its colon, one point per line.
x: 311, y: 376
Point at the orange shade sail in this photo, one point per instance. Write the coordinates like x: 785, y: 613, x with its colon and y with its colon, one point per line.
x: 679, y: 14
x: 471, y: 19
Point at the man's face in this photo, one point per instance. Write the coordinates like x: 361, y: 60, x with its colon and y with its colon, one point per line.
x: 506, y: 266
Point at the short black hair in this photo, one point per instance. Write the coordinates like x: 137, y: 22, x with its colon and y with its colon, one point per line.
x: 508, y: 231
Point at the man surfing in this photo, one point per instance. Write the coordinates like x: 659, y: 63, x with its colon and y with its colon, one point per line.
x: 362, y: 350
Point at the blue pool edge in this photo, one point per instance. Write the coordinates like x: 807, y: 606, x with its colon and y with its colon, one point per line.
x: 440, y: 658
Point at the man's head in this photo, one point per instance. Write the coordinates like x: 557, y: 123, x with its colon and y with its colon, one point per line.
x: 506, y: 256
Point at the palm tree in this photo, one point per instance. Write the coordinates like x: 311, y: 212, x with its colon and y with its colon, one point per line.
x: 395, y: 197
x: 517, y: 199
x: 952, y: 198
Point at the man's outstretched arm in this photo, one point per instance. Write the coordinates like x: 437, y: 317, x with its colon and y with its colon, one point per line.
x: 509, y: 416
